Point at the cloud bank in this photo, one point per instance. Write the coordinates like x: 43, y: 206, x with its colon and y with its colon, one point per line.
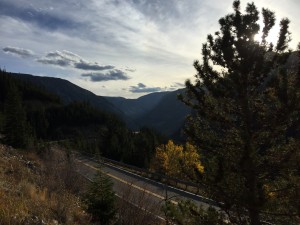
x: 69, y: 59
x: 60, y: 58
x: 21, y: 52
x: 142, y: 88
x: 41, y: 18
x: 111, y: 75
x: 92, y: 66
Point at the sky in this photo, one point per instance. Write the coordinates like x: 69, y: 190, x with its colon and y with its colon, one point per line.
x: 125, y: 48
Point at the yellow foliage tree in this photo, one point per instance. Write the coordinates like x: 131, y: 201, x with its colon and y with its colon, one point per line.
x: 177, y: 161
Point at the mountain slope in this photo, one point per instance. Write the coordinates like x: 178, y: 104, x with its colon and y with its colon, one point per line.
x: 135, y: 108
x: 161, y: 111
x: 167, y: 116
x: 69, y: 92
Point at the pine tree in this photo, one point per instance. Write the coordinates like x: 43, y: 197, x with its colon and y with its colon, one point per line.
x: 15, y: 128
x: 247, y: 119
x: 100, y: 199
x: 188, y: 213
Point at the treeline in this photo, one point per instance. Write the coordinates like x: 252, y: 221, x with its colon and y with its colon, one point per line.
x: 29, y: 114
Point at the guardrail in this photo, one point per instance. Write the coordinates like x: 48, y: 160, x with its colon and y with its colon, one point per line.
x: 173, y: 182
x: 193, y: 188
x: 185, y: 185
x: 178, y: 183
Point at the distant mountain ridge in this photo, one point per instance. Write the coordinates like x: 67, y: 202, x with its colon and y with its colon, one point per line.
x: 69, y: 92
x: 161, y: 111
x: 137, y: 107
x: 168, y: 116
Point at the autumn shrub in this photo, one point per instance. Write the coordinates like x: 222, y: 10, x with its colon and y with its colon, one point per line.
x: 178, y: 161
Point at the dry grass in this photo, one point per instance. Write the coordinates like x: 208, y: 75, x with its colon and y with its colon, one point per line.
x: 35, y: 191
x: 45, y: 189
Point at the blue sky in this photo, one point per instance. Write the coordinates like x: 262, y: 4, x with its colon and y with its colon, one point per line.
x: 117, y: 47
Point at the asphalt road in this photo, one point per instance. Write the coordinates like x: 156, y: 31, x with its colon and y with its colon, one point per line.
x: 142, y: 192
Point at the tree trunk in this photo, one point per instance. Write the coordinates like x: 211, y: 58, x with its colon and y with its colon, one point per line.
x: 254, y: 216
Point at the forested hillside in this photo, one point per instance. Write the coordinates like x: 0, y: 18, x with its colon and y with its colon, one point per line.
x: 161, y: 111
x: 30, y: 114
x: 68, y: 92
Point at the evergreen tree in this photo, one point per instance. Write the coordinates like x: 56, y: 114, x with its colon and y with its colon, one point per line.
x: 187, y: 213
x: 1, y: 122
x: 16, y: 128
x: 100, y: 200
x: 247, y: 119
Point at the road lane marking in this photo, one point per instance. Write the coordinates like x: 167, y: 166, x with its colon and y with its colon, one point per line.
x: 141, y: 208
x: 135, y: 205
x: 201, y: 199
x: 131, y: 184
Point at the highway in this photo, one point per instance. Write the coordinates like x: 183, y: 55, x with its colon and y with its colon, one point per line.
x: 142, y: 192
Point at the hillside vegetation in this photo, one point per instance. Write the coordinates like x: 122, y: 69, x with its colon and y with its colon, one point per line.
x: 161, y: 111
x: 35, y: 190
x: 30, y: 114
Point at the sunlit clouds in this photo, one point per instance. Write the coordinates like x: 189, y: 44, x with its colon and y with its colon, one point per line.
x: 120, y: 44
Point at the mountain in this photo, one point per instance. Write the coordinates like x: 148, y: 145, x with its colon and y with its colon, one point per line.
x: 167, y: 116
x: 161, y: 111
x: 135, y: 108
x: 69, y: 92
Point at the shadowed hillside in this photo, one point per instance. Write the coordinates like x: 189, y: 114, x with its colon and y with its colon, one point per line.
x: 161, y: 111
x: 69, y: 92
x: 167, y: 116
